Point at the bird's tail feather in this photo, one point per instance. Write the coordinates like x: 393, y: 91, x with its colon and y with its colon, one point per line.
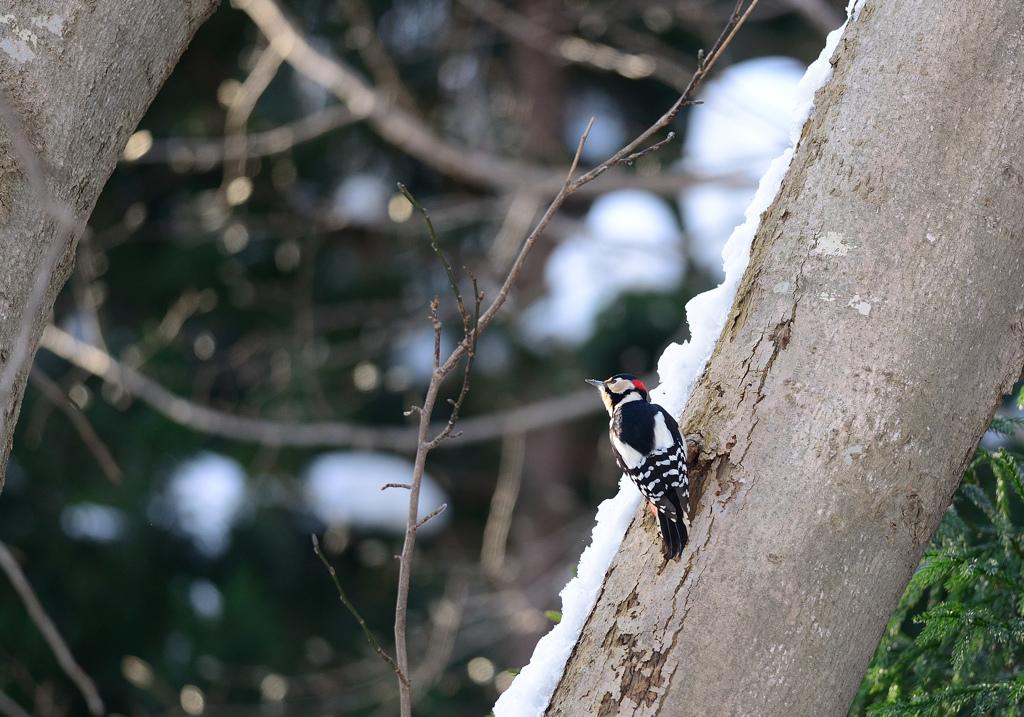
x: 673, y: 532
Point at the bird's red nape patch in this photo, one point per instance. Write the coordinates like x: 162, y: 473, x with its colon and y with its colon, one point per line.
x: 639, y: 384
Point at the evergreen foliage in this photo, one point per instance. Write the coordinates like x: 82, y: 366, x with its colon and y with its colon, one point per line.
x: 955, y: 645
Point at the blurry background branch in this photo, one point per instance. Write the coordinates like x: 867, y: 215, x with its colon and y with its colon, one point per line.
x: 200, y: 155
x: 96, y: 446
x: 570, y: 48
x: 400, y: 129
x: 322, y: 433
x: 60, y: 648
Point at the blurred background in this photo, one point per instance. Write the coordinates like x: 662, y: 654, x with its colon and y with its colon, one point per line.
x: 251, y: 258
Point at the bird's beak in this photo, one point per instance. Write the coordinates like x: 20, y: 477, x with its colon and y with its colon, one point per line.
x: 595, y: 382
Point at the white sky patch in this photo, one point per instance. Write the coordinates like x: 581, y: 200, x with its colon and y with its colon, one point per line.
x: 679, y: 367
x: 632, y: 242
x: 206, y: 495
x: 344, y: 488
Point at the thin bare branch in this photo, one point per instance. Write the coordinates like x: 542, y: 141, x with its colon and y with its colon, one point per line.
x: 207, y: 420
x: 503, y: 502
x: 574, y: 49
x: 375, y: 57
x: 355, y: 613
x: 395, y: 485
x: 579, y: 150
x: 49, y: 631
x: 654, y: 147
x: 406, y: 132
x: 434, y: 244
x: 10, y: 708
x: 441, y: 371
x: 239, y: 109
x: 203, y: 154
x: 56, y: 395
x: 705, y: 63
x: 436, y: 513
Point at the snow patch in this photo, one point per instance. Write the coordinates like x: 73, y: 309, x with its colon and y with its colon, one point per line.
x: 631, y: 242
x: 680, y: 366
x: 852, y: 452
x: 741, y: 126
x: 206, y: 495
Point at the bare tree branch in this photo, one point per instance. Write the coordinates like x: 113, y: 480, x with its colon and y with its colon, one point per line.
x: 321, y: 433
x: 49, y: 631
x: 408, y: 134
x: 503, y: 502
x: 442, y: 370
x: 576, y: 50
x: 375, y: 57
x: 55, y: 395
x: 202, y: 154
x: 440, y: 509
x: 239, y: 109
x: 10, y: 708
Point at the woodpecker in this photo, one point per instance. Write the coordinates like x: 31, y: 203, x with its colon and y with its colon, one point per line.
x: 649, y: 448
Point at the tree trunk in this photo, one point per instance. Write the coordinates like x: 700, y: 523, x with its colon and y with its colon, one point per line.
x: 878, y: 324
x: 75, y: 78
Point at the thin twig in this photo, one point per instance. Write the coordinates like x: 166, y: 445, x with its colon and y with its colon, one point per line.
x: 408, y: 133
x: 574, y: 49
x: 395, y: 485
x: 239, y: 109
x: 10, y: 708
x: 654, y: 147
x: 436, y: 513
x: 55, y: 395
x: 434, y: 244
x: 503, y: 502
x: 49, y: 631
x: 355, y: 613
x: 188, y: 154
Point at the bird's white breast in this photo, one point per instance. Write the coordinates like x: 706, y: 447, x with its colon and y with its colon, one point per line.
x: 630, y: 456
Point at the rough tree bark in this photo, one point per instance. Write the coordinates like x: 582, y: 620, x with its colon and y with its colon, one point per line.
x: 77, y: 76
x: 878, y: 325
